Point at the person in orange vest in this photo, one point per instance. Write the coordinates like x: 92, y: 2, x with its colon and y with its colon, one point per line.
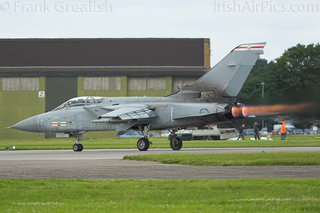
x: 283, y: 131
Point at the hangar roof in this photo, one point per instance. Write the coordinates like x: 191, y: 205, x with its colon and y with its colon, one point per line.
x: 105, y: 55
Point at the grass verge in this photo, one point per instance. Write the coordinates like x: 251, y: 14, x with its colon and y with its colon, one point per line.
x: 246, y: 195
x: 131, y: 143
x: 234, y: 159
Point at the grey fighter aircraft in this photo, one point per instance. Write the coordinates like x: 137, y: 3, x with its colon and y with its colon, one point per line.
x: 210, y: 99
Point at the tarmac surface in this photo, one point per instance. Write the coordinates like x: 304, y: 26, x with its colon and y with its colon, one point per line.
x: 108, y: 164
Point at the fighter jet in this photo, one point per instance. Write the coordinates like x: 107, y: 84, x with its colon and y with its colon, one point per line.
x: 210, y: 99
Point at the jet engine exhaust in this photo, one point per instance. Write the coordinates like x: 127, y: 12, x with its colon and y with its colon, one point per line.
x: 246, y: 111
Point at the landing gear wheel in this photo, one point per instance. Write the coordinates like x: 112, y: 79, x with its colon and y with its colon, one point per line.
x: 143, y: 144
x: 80, y: 147
x: 175, y: 143
x: 76, y: 147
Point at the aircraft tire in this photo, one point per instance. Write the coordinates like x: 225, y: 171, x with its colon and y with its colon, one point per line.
x: 80, y: 147
x: 176, y: 143
x: 143, y: 144
x: 76, y: 147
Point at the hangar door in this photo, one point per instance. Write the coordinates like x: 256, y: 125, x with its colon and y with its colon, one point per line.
x: 59, y: 90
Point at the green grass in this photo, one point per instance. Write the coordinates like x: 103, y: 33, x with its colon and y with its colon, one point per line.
x: 131, y: 143
x: 246, y: 195
x: 234, y: 159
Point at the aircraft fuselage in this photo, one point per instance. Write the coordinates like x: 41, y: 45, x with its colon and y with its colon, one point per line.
x: 170, y: 114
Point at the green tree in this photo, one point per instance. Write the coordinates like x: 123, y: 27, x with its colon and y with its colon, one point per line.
x: 299, y: 71
x: 293, y: 77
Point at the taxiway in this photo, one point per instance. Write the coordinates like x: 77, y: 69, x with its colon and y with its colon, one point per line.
x: 108, y: 164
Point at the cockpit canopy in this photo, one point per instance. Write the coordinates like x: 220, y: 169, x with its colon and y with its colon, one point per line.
x: 80, y: 101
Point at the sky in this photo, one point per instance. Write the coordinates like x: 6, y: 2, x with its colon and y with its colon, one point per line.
x: 228, y: 23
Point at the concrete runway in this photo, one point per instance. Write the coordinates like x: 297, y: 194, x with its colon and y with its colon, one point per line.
x: 108, y: 164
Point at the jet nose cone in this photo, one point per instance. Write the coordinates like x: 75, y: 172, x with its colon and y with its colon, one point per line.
x: 29, y: 124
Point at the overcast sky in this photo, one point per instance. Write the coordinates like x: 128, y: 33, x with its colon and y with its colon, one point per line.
x: 227, y: 23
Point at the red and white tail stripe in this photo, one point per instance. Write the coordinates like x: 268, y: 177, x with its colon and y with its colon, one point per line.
x: 250, y: 47
x: 58, y: 123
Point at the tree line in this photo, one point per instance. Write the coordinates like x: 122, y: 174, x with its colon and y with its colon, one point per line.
x: 294, y: 77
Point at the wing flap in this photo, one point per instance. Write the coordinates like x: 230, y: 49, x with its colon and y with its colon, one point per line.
x: 130, y: 113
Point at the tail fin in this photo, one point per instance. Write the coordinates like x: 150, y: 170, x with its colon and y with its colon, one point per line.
x: 227, y: 77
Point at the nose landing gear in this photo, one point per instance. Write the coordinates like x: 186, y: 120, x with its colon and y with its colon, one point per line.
x: 77, y: 147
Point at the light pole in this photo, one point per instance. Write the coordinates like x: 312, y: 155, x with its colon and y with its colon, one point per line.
x: 262, y: 91
x: 262, y: 96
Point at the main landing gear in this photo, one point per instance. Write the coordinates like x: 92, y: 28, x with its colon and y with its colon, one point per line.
x: 77, y: 147
x: 144, y: 143
x: 175, y: 141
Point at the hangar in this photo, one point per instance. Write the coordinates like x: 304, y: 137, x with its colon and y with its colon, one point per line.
x: 36, y: 75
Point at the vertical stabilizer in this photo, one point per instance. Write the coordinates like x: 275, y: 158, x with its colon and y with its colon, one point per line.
x: 227, y: 77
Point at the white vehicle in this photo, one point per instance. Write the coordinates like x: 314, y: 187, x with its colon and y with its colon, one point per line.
x: 288, y: 126
x: 213, y: 134
x: 204, y: 134
x: 165, y: 133
x: 263, y: 131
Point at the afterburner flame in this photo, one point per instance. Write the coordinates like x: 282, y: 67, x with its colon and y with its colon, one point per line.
x: 236, y: 111
x: 245, y: 111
